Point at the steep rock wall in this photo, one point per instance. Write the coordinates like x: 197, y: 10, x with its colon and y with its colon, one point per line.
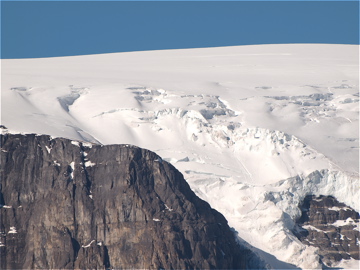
x: 331, y: 226
x: 67, y: 204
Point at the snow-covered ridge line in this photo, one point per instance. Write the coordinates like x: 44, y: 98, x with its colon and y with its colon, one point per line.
x: 280, y: 198
x: 253, y: 129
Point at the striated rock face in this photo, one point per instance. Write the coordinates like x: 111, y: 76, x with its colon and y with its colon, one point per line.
x: 331, y: 226
x: 67, y: 204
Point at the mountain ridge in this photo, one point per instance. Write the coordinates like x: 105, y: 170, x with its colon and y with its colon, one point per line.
x: 71, y: 205
x: 253, y: 129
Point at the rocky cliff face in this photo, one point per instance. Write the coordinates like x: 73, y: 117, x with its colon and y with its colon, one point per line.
x: 331, y: 226
x: 67, y: 204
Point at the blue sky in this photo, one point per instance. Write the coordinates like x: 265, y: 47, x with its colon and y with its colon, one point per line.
x: 32, y: 29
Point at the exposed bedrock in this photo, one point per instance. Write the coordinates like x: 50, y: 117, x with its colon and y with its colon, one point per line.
x: 331, y: 226
x: 66, y: 204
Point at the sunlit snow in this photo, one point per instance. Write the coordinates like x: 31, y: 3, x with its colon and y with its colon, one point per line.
x: 89, y: 164
x: 12, y: 230
x: 88, y: 245
x: 254, y: 129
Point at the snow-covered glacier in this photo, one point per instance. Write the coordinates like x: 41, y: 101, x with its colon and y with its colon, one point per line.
x: 254, y: 129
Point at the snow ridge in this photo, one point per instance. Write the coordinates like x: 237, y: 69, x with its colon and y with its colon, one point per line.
x: 254, y: 129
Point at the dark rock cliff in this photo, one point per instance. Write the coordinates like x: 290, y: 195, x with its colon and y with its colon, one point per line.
x: 331, y: 226
x: 67, y: 204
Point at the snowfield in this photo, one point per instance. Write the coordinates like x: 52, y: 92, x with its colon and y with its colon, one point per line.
x: 254, y: 129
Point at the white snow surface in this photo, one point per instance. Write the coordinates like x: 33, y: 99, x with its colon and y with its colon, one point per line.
x: 12, y: 230
x: 254, y: 129
x: 89, y: 164
x: 88, y: 245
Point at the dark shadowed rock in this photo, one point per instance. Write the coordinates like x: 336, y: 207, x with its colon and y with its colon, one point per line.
x: 331, y: 226
x: 67, y: 204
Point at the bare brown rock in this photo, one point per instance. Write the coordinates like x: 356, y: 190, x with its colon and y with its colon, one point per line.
x: 67, y: 205
x: 331, y: 226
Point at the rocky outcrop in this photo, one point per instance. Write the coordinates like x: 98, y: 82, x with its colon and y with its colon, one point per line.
x: 331, y: 226
x: 67, y: 204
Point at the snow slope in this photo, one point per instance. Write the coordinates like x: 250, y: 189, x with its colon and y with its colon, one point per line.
x: 245, y: 125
